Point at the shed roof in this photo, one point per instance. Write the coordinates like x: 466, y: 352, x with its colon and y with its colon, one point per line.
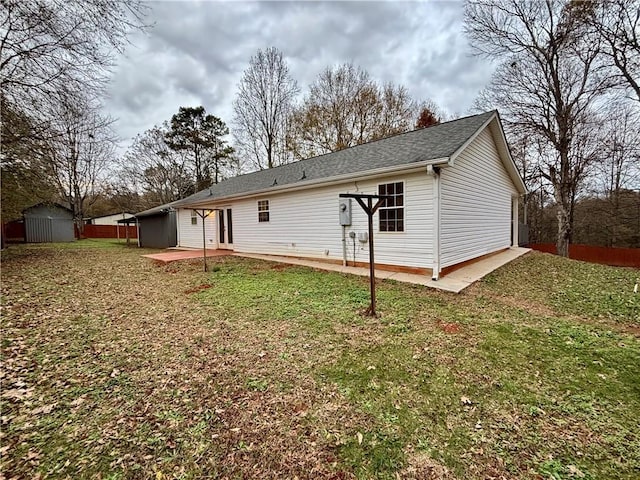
x: 159, y: 210
x: 47, y: 205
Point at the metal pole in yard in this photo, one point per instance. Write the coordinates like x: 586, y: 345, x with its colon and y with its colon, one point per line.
x: 372, y: 265
x: 203, y: 216
x: 370, y: 210
x: 204, y: 242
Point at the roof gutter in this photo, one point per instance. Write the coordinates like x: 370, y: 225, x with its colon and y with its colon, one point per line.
x: 370, y: 174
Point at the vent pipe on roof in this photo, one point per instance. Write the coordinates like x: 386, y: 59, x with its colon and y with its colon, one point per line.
x: 304, y: 175
x: 275, y: 182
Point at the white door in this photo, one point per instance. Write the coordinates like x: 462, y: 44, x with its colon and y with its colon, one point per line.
x: 225, y: 229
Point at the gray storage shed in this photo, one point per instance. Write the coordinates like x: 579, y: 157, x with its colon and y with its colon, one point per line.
x: 157, y: 227
x: 48, y: 222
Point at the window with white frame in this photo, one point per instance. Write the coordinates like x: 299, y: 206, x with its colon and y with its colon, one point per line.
x: 391, y: 213
x: 194, y: 217
x: 263, y: 210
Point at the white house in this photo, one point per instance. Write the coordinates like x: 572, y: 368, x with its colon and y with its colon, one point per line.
x: 108, y: 219
x: 455, y: 191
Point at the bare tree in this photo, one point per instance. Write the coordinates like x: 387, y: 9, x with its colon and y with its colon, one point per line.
x: 617, y: 25
x: 116, y: 196
x: 346, y: 107
x: 79, y: 152
x: 160, y: 173
x: 52, y: 52
x: 548, y: 80
x: 619, y: 168
x: 398, y: 110
x: 26, y: 179
x: 50, y: 46
x: 619, y: 146
x: 262, y: 107
x: 336, y: 113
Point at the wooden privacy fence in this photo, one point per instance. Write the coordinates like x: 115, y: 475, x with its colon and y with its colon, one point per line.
x: 110, y: 231
x: 617, y: 257
x: 14, y: 231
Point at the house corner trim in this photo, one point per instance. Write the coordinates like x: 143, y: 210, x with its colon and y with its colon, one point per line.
x: 434, y: 171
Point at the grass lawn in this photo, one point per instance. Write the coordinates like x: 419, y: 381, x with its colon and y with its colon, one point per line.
x: 114, y: 367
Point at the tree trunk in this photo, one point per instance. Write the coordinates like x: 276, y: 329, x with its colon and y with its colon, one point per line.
x: 564, y: 231
x: 564, y: 200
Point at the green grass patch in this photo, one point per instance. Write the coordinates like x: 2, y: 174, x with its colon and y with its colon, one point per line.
x: 571, y: 287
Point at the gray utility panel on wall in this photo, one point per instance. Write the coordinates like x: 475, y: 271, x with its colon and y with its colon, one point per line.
x: 345, y: 211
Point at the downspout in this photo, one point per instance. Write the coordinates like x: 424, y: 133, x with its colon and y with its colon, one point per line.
x: 515, y: 241
x: 178, y: 227
x: 434, y: 171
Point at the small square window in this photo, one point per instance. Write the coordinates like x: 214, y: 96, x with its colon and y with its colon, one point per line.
x: 263, y: 210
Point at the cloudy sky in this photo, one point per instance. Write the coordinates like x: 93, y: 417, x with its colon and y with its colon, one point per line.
x: 195, y: 53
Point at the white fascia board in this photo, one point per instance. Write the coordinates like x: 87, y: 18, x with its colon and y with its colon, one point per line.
x: 368, y: 175
x: 510, y: 164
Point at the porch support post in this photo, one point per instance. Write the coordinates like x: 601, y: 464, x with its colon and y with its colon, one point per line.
x: 370, y: 210
x: 203, y: 214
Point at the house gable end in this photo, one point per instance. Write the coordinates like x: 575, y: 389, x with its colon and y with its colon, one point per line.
x: 476, y: 202
x: 494, y: 126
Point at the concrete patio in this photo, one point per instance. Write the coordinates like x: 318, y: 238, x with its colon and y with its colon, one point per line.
x: 455, y: 281
x: 174, y: 255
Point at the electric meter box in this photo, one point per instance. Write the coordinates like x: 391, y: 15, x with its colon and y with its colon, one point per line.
x: 345, y: 211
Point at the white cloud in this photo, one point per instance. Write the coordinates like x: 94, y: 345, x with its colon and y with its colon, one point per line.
x: 195, y: 53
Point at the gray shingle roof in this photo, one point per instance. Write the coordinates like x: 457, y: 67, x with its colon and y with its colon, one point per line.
x: 439, y: 141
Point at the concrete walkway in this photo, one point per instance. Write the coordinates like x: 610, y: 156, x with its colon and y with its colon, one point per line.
x: 455, y: 282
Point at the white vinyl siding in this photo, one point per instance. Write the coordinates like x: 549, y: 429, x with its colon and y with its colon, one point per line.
x: 306, y: 224
x: 111, y: 219
x: 475, y: 203
x: 191, y: 235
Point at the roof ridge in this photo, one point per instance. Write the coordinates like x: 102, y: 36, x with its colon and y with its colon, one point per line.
x: 394, y: 135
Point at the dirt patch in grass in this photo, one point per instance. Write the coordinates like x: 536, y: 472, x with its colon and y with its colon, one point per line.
x: 420, y: 466
x: 449, y: 327
x: 280, y: 266
x: 198, y: 288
